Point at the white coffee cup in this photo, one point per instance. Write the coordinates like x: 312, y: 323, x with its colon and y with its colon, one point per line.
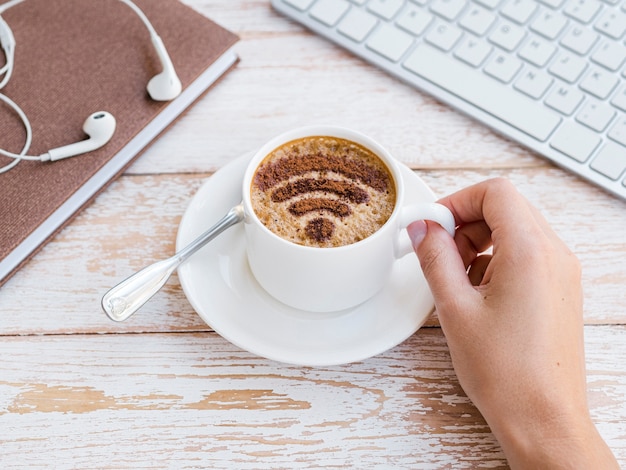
x: 319, y: 279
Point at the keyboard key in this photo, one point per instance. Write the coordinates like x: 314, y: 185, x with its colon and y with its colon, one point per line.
x: 611, y: 160
x: 444, y: 36
x: 503, y: 67
x: 554, y: 4
x: 579, y: 40
x: 537, y: 51
x: 599, y: 83
x: 491, y: 4
x: 357, y: 24
x: 619, y: 100
x: 386, y: 9
x: 448, y: 9
x: 610, y: 55
x: 575, y: 141
x: 565, y: 99
x: 595, y: 115
x: 519, y: 11
x: 507, y: 36
x: 613, y: 24
x: 299, y: 4
x: 477, y: 20
x: 583, y: 10
x: 618, y: 131
x: 329, y: 11
x: 549, y: 24
x: 533, y: 83
x: 414, y: 20
x: 473, y: 51
x: 390, y: 42
x: 568, y: 67
x: 479, y: 90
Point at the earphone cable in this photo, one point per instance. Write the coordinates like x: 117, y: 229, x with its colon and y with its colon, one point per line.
x: 5, y: 6
x: 7, y: 41
x: 29, y: 136
x: 7, y: 69
x: 142, y: 16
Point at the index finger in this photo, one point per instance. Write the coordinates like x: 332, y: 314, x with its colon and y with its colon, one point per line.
x: 497, y: 202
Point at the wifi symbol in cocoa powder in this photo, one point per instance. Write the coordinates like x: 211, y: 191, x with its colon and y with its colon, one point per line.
x: 272, y: 176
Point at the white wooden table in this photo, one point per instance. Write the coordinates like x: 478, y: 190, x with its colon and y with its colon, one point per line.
x: 163, y: 390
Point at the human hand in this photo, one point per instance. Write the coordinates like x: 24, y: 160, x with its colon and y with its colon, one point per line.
x: 514, y: 325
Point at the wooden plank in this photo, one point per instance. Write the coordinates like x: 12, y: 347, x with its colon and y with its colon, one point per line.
x: 192, y: 399
x: 135, y: 223
x: 288, y: 77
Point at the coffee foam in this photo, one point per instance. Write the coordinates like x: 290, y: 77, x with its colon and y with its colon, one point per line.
x: 323, y: 191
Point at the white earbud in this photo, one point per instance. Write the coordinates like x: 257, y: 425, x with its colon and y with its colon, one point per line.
x: 100, y: 127
x: 166, y: 85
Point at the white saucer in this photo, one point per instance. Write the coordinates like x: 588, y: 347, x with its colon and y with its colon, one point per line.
x: 220, y: 287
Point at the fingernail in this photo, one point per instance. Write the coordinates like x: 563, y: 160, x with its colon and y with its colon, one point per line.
x: 417, y: 231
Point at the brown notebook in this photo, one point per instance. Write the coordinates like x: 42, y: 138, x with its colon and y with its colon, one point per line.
x: 75, y: 57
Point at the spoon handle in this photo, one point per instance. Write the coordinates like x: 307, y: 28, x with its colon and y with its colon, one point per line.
x: 120, y: 302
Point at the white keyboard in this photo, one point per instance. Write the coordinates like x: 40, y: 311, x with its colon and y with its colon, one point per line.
x: 549, y: 74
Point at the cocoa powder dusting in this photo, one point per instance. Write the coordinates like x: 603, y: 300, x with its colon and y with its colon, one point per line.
x: 320, y: 229
x: 340, y: 188
x: 272, y: 173
x: 304, y: 206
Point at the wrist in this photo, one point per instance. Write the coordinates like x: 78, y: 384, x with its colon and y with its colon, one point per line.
x: 556, y: 443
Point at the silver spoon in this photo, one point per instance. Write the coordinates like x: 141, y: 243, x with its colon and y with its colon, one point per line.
x: 128, y: 296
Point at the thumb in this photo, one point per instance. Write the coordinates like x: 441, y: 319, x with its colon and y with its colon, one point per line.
x: 441, y: 262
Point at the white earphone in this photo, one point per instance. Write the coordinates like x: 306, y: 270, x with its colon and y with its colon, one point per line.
x: 99, y: 126
x: 166, y: 85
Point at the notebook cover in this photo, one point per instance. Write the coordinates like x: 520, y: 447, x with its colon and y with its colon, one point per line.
x: 75, y: 57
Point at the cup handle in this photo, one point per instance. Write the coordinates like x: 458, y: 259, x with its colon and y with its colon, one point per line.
x: 424, y: 211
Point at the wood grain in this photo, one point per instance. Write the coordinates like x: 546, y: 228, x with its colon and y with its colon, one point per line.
x: 193, y: 400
